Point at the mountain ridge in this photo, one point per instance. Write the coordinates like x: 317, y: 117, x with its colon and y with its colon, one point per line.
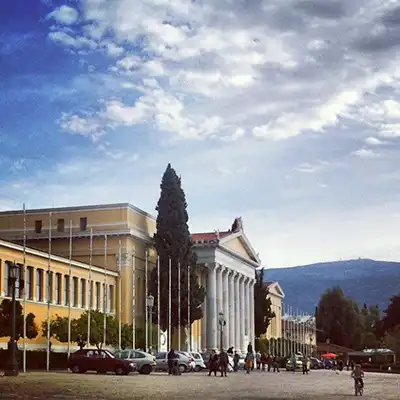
x: 366, y: 280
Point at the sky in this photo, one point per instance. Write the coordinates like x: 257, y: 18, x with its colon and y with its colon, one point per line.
x: 283, y: 112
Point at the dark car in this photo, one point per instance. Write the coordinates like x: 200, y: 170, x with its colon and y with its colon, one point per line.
x: 101, y: 361
x: 315, y: 363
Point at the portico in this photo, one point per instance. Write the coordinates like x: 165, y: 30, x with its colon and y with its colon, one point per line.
x: 227, y: 269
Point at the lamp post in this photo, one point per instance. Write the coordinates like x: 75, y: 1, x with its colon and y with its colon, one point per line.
x: 15, y: 281
x: 150, y: 304
x: 222, y: 323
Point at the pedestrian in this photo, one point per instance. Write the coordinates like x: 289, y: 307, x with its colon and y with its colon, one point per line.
x: 223, y: 362
x: 249, y: 361
x: 213, y: 363
x: 269, y: 362
x: 171, y: 357
x: 258, y: 359
x: 236, y: 359
x: 304, y: 362
x: 275, y: 365
x: 294, y: 362
x: 263, y: 360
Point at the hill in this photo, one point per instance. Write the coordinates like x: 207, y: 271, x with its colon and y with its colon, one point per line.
x: 367, y: 281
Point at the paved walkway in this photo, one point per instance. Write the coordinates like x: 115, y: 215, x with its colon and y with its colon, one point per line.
x: 258, y: 385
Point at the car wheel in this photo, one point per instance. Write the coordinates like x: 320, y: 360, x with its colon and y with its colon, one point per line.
x: 182, y: 368
x: 146, y: 369
x: 197, y: 368
x: 75, y: 369
x: 119, y: 371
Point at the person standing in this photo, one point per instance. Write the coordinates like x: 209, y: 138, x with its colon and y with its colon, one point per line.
x: 263, y: 360
x: 236, y: 359
x: 213, y: 363
x: 275, y: 365
x: 294, y: 362
x: 269, y: 362
x: 304, y: 364
x: 223, y: 362
x: 258, y: 359
x: 249, y: 361
x: 171, y: 357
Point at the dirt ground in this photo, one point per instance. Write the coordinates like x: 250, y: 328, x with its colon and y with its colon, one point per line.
x: 319, y: 385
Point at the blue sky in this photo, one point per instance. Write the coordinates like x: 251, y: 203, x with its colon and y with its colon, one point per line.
x: 284, y: 112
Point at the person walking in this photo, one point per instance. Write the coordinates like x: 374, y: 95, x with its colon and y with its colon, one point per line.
x: 171, y: 357
x: 223, y: 362
x: 275, y: 365
x: 249, y: 361
x: 236, y: 359
x: 294, y: 362
x: 304, y: 364
x: 269, y: 362
x: 263, y: 360
x: 258, y: 359
x: 213, y: 363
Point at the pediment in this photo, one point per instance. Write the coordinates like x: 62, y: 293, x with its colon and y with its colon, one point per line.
x: 239, y: 245
x: 276, y: 290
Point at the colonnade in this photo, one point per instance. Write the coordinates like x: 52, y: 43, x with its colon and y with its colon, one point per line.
x: 231, y: 293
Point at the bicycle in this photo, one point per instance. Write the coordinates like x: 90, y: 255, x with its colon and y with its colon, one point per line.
x: 358, y: 388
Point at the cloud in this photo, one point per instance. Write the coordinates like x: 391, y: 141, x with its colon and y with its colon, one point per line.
x: 365, y: 153
x: 373, y: 141
x: 64, y: 15
x: 311, y: 168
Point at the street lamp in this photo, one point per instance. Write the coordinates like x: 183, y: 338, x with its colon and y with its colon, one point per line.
x: 15, y: 282
x: 222, y: 323
x: 150, y: 305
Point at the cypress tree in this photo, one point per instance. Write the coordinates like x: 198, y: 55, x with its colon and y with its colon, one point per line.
x: 263, y: 313
x: 173, y: 242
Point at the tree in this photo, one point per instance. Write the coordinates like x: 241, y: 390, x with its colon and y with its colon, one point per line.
x: 79, y: 328
x: 6, y: 319
x: 263, y: 313
x: 370, y: 318
x: 338, y: 319
x: 391, y: 318
x: 173, y: 242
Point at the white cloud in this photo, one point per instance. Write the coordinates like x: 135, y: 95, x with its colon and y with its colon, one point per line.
x: 80, y: 126
x: 365, y: 153
x: 65, y: 15
x: 68, y: 40
x: 373, y: 141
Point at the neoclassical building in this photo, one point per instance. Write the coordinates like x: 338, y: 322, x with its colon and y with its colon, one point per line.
x: 117, y: 239
x: 276, y: 295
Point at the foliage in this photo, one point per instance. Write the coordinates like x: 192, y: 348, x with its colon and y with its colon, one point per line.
x: 339, y: 320
x: 173, y: 242
x: 391, y: 318
x: 370, y: 319
x: 79, y: 328
x: 263, y: 313
x: 6, y: 319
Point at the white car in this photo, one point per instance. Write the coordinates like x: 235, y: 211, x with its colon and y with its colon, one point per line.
x: 192, y: 362
x: 199, y: 362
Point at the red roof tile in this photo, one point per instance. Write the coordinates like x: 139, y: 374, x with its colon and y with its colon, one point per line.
x: 209, y: 236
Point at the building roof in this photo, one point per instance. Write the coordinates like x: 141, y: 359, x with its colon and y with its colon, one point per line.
x: 209, y: 236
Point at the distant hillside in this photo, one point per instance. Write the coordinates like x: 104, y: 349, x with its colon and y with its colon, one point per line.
x: 367, y: 281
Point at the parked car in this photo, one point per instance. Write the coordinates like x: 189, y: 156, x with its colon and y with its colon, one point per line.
x: 315, y: 363
x: 145, y: 362
x: 162, y: 361
x: 299, y: 363
x: 101, y: 361
x: 192, y: 362
x: 199, y: 362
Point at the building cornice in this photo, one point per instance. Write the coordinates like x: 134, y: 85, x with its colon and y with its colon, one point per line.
x: 74, y: 209
x: 62, y: 260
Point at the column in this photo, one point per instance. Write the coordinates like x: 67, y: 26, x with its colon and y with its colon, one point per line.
x: 231, y: 325
x: 204, y: 319
x: 252, y: 313
x: 33, y: 284
x: 242, y: 312
x: 226, y: 307
x: 2, y: 280
x: 220, y: 291
x: 211, y: 306
x: 247, y: 309
x: 238, y: 339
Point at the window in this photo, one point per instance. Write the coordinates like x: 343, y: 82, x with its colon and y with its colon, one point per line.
x: 123, y: 355
x: 97, y: 299
x: 66, y: 290
x: 58, y: 288
x: 38, y: 226
x: 111, y: 302
x: 104, y: 305
x: 28, y: 283
x: 83, y: 224
x: 39, y: 285
x: 138, y: 354
x: 60, y: 225
x: 75, y: 289
x: 83, y: 293
x: 49, y: 286
x: 91, y: 295
x: 7, y: 291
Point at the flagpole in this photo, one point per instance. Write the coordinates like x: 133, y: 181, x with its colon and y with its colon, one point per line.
x: 158, y: 304
x: 189, y: 316
x: 119, y: 296
x: 48, y: 301
x: 169, y: 304
x: 90, y: 299
x: 179, y: 306
x: 24, y: 274
x: 69, y: 288
x: 146, y: 289
x: 105, y: 293
x: 133, y: 302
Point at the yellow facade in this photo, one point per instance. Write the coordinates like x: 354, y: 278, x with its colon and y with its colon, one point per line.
x: 36, y: 299
x: 276, y: 296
